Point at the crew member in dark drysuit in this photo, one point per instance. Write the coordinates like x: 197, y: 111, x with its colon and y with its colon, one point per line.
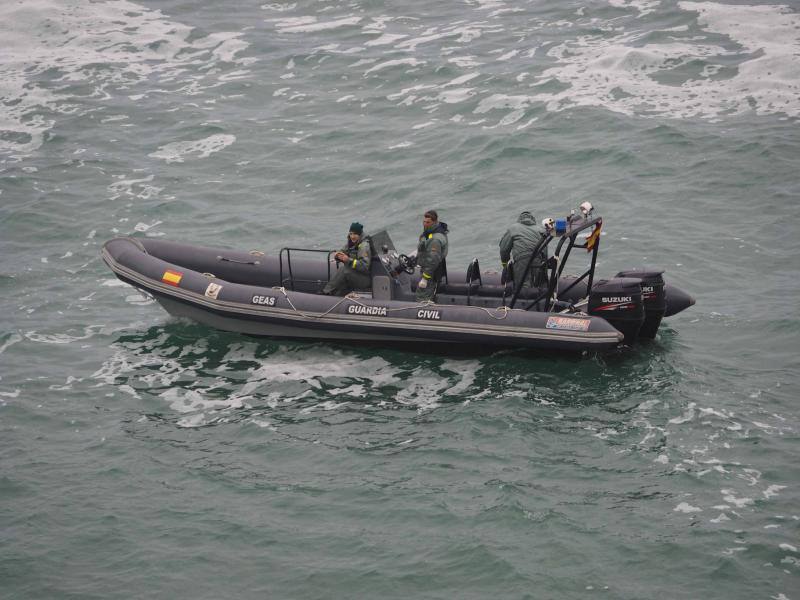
x: 355, y: 256
x: 431, y: 252
x: 519, y: 242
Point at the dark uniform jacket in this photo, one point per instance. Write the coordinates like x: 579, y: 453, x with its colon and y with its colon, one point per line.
x: 519, y: 241
x: 432, y: 250
x: 360, y: 255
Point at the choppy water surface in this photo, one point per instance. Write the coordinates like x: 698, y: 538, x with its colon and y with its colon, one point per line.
x: 144, y: 456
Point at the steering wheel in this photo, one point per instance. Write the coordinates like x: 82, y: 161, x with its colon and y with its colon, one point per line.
x: 406, y: 263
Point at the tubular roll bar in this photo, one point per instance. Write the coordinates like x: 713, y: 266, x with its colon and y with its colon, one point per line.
x: 550, y: 296
x: 291, y: 279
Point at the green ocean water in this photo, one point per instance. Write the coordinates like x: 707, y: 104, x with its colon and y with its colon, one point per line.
x: 148, y: 457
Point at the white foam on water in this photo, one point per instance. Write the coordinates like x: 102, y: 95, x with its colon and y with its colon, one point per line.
x: 643, y: 6
x: 411, y: 62
x: 721, y: 518
x: 356, y: 390
x: 512, y: 117
x: 125, y: 363
x: 467, y: 371
x: 502, y: 101
x: 177, y: 151
x: 312, y: 369
x: 138, y: 300
x: 62, y: 338
x: 687, y: 416
x: 142, y: 227
x: 788, y: 547
x: 280, y: 7
x: 310, y: 24
x: 772, y: 491
x: 617, y: 73
x: 113, y: 283
x: 136, y: 188
x: 727, y: 496
x: 75, y: 39
x: 751, y: 476
x: 196, y: 420
x: 456, y: 96
x: 487, y: 4
x: 461, y: 80
x: 407, y: 92
x: 324, y: 406
x: 685, y: 507
x: 508, y: 55
x: 186, y: 401
x: 263, y: 423
x: 386, y: 39
x: 466, y: 62
x: 424, y: 390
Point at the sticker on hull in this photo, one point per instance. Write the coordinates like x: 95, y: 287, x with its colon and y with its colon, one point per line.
x: 568, y: 323
x: 213, y: 290
x: 172, y: 277
x: 263, y: 300
x: 432, y: 315
x: 359, y: 309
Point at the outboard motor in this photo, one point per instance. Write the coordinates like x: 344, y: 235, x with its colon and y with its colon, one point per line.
x: 654, y: 297
x: 619, y: 301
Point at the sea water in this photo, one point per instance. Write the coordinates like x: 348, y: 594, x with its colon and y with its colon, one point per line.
x: 148, y: 457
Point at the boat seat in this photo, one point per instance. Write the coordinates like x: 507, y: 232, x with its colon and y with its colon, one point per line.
x: 458, y: 289
x: 469, y: 287
x: 497, y: 291
x: 486, y: 290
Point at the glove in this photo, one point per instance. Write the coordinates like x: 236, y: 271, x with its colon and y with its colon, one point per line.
x: 423, y: 283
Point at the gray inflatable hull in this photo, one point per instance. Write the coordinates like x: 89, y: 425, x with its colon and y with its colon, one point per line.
x: 242, y: 292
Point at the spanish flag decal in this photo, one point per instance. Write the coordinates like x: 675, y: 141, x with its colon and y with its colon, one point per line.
x: 172, y: 277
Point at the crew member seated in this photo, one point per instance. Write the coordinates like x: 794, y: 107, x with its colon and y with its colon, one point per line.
x: 356, y: 257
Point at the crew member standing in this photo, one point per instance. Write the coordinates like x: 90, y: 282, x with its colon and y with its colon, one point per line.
x: 431, y: 254
x: 519, y: 242
x: 355, y: 256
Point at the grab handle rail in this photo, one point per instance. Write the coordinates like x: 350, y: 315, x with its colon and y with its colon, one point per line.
x: 291, y: 280
x: 240, y: 262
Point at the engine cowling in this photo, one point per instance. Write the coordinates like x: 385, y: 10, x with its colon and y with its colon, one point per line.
x: 619, y: 301
x: 654, y: 298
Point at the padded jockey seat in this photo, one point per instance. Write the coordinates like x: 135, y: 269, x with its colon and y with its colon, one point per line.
x: 497, y: 291
x: 469, y: 288
x: 459, y: 289
x: 486, y: 290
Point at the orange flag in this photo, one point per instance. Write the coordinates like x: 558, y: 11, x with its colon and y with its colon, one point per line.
x: 594, y: 236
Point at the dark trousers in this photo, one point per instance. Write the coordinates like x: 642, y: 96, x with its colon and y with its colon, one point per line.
x: 345, y: 281
x: 428, y: 293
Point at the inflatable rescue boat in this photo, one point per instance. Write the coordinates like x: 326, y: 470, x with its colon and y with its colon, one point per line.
x: 280, y: 295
